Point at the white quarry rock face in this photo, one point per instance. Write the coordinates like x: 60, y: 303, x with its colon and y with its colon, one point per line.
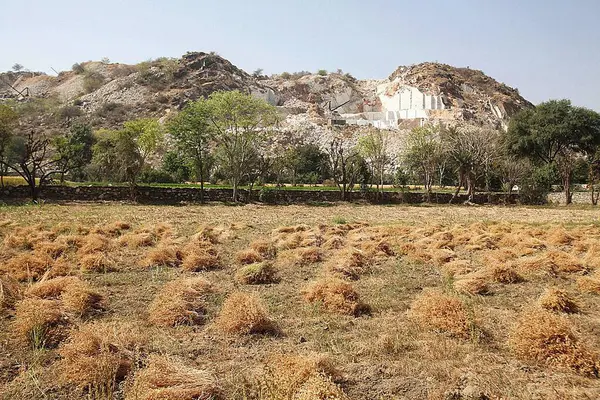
x: 266, y: 94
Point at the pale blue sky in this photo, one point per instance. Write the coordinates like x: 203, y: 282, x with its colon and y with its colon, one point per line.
x: 545, y: 48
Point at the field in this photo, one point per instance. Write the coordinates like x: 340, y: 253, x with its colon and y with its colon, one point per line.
x: 108, y: 301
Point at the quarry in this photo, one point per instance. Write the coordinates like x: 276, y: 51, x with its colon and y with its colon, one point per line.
x: 109, y: 93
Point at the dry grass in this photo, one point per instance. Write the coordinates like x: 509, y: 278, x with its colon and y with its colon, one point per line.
x: 163, y: 255
x: 94, y: 243
x: 265, y: 248
x: 297, y: 377
x: 257, y: 274
x: 27, y: 266
x: 472, y: 286
x: 504, y: 274
x: 40, y: 323
x: 442, y: 312
x: 249, y: 256
x: 180, y: 302
x: 137, y: 239
x: 350, y: 263
x: 336, y: 296
x: 243, y: 314
x: 10, y: 292
x: 555, y: 299
x: 96, y: 262
x: 421, y: 354
x: 98, y: 356
x: 589, y: 284
x: 169, y: 378
x: 77, y: 296
x: 540, y: 336
x: 200, y: 256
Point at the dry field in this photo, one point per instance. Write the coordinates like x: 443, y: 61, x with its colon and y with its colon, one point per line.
x: 262, y: 302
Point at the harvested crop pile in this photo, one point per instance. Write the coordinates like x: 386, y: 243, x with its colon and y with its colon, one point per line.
x: 169, y: 378
x: 180, y: 302
x: 94, y: 243
x: 100, y: 355
x: 438, y: 311
x: 96, y: 262
x: 200, y: 256
x: 163, y: 255
x: 40, y: 323
x: 555, y: 299
x: 28, y: 266
x: 243, y: 314
x: 336, y: 296
x: 76, y: 296
x: 249, y: 256
x: 504, y: 274
x: 265, y: 248
x: 258, y: 273
x: 10, y: 292
x: 350, y: 264
x: 471, y: 286
x: 296, y: 377
x: 541, y: 336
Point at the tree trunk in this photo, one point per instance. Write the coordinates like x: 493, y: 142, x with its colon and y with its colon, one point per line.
x: 201, y: 168
x: 567, y: 189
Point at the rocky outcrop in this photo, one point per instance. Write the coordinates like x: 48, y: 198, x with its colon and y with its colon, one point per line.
x: 109, y: 93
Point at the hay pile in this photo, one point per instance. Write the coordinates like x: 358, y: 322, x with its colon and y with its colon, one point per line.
x: 180, y: 302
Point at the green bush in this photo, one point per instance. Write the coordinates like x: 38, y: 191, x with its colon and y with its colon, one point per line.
x: 535, y: 188
x: 151, y: 175
x: 286, y: 75
x: 322, y: 72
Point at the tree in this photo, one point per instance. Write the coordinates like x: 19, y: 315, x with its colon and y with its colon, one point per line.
x: 373, y: 147
x: 17, y: 67
x: 512, y: 171
x: 344, y: 163
x: 193, y: 131
x: 423, y: 153
x: 30, y: 156
x: 472, y: 151
x: 241, y: 123
x: 74, y: 150
x: 9, y: 119
x: 104, y: 164
x: 176, y: 166
x: 257, y: 73
x: 133, y: 144
x: 554, y: 132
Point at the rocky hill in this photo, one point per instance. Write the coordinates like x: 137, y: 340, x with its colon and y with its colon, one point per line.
x: 108, y: 94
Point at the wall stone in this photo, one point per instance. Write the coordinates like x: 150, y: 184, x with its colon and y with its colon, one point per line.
x: 165, y: 195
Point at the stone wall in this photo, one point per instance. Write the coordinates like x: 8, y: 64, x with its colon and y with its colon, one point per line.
x: 158, y: 195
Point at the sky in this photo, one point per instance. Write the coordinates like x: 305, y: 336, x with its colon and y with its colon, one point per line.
x: 547, y: 49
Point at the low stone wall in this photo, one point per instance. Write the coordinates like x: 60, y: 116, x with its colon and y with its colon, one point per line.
x: 160, y: 195
x: 578, y: 198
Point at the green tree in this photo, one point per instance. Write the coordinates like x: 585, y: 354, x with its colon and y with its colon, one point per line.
x: 193, y: 131
x: 242, y: 124
x: 73, y: 151
x: 9, y: 120
x: 554, y: 132
x: 105, y: 160
x: 423, y: 153
x: 134, y: 143
x: 176, y: 166
x: 373, y: 147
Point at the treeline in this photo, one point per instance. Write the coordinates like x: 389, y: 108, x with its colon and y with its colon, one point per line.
x: 235, y: 139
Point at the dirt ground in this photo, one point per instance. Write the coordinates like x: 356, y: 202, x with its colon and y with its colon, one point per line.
x: 329, y: 302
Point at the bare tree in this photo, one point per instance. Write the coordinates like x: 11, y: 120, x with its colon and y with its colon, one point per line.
x: 31, y: 157
x: 344, y: 163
